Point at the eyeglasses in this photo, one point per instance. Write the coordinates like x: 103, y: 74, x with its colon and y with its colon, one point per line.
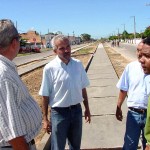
x: 18, y: 38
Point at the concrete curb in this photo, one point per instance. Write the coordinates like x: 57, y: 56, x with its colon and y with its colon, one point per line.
x: 90, y: 60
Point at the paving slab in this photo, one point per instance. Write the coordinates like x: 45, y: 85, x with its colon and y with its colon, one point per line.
x: 104, y: 132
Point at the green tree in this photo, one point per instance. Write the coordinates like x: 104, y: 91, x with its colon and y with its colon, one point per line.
x: 138, y: 35
x: 113, y: 37
x: 85, y: 37
x: 23, y: 42
x: 125, y: 35
x: 147, y: 32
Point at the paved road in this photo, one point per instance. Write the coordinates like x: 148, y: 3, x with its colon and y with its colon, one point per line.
x: 42, y: 59
x: 127, y: 50
x: 28, y: 58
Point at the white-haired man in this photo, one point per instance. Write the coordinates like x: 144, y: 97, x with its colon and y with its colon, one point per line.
x: 64, y: 88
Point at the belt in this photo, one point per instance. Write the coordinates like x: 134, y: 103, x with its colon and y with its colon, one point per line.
x: 32, y: 142
x: 69, y: 107
x: 140, y: 111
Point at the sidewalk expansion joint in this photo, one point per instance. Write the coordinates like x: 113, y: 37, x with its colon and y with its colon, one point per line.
x: 103, y: 96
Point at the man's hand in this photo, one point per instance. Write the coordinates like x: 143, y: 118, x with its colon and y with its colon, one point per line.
x: 147, y: 147
x: 47, y: 126
x: 87, y: 115
x: 19, y: 143
x: 119, y: 114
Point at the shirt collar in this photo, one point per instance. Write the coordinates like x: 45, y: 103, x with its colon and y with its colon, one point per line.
x: 8, y: 62
x: 61, y: 62
x: 142, y: 69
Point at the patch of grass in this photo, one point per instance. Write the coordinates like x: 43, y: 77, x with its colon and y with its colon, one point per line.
x: 87, y: 50
x: 46, y: 49
x: 23, y: 54
x: 84, y: 50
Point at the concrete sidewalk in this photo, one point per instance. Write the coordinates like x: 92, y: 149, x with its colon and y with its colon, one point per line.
x: 104, y: 131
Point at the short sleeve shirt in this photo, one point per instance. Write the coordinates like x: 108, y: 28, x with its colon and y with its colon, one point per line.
x: 20, y: 115
x: 133, y: 81
x: 63, y: 83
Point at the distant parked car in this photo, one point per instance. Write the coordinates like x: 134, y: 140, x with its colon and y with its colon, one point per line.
x: 25, y: 49
x: 36, y: 48
x: 22, y: 49
x: 28, y: 49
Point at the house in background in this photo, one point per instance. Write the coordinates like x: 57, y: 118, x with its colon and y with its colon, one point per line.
x: 74, y: 40
x: 48, y: 38
x: 33, y: 38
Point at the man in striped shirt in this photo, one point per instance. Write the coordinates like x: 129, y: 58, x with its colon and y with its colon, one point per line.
x: 20, y: 115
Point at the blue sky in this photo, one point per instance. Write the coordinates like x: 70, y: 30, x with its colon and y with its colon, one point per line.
x: 99, y: 18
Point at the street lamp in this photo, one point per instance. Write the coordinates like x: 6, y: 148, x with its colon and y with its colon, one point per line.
x: 134, y: 29
x: 114, y: 33
x: 118, y: 33
x: 124, y: 32
x: 16, y: 25
x: 123, y: 27
x: 141, y: 32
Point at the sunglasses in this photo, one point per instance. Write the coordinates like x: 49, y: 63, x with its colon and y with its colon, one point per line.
x: 18, y: 38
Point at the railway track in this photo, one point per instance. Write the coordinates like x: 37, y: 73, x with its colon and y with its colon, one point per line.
x: 26, y: 64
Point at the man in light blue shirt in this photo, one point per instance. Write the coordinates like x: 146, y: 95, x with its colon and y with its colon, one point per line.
x: 64, y: 88
x: 132, y: 83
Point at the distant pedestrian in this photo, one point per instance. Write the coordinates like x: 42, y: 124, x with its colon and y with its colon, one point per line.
x: 132, y: 83
x: 64, y: 88
x: 145, y: 63
x: 20, y: 115
x: 118, y: 43
x: 112, y: 44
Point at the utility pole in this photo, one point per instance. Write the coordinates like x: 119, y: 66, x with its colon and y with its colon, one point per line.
x: 73, y: 38
x: 134, y: 29
x: 141, y: 32
x: 118, y: 33
x: 16, y: 24
x: 124, y: 32
x: 114, y: 33
x: 123, y: 27
x: 68, y: 35
x: 41, y: 36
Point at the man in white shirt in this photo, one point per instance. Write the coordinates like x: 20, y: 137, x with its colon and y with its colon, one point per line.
x: 20, y: 115
x: 145, y: 63
x: 132, y: 83
x: 64, y: 88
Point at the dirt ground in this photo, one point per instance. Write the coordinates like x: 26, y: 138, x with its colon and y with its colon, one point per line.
x: 118, y: 61
x: 33, y: 79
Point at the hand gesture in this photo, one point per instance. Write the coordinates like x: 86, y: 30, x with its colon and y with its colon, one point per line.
x: 47, y: 126
x: 87, y: 115
x: 119, y: 114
